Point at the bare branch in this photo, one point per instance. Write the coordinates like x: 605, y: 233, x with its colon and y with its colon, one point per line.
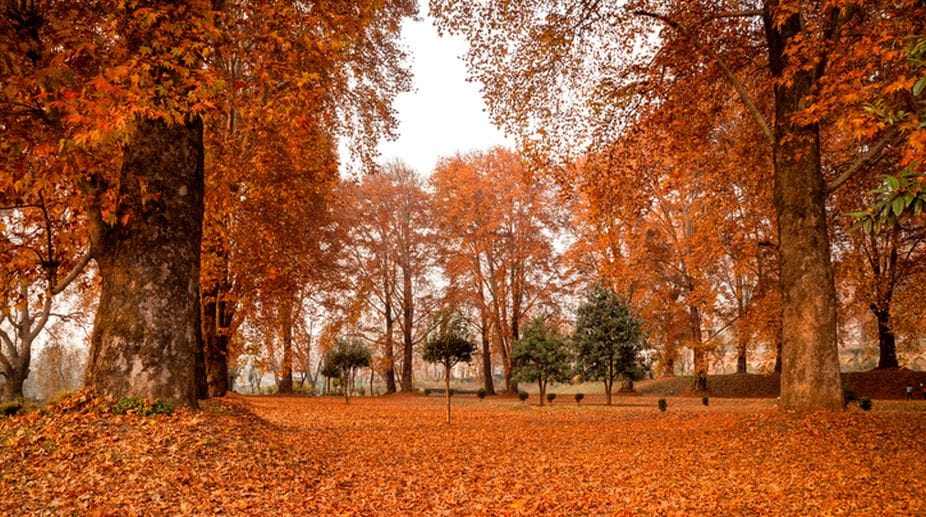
x: 873, y: 153
x: 72, y: 274
x: 737, y: 85
x: 748, y: 13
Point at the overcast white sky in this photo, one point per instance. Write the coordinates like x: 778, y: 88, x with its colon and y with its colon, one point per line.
x: 444, y: 114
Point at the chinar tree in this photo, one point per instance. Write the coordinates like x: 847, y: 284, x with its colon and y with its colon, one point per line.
x: 541, y: 355
x: 450, y: 345
x: 608, y: 338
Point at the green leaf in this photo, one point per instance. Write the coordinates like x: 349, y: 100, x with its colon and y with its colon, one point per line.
x: 892, y: 181
x: 897, y: 205
x: 919, y: 86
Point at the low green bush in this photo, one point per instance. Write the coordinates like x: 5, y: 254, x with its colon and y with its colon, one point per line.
x: 579, y: 397
x: 864, y: 404
x: 551, y: 397
x: 705, y: 401
x: 663, y: 405
x: 523, y: 395
x: 481, y: 393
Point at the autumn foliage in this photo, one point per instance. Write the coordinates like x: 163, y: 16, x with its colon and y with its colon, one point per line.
x: 288, y: 454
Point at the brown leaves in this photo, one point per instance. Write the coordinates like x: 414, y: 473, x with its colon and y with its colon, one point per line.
x: 393, y: 455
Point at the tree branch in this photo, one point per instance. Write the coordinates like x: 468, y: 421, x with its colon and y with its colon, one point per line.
x: 737, y: 85
x: 72, y: 274
x: 874, y: 151
x: 735, y: 14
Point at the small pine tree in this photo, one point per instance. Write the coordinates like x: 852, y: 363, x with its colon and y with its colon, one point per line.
x: 607, y: 338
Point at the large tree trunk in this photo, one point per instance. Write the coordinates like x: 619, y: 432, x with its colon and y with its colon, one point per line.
x: 741, y: 350
x: 199, y: 373
x: 215, y: 317
x: 285, y: 384
x: 488, y: 381
x: 13, y: 387
x: 447, y: 390
x: 810, y: 362
x: 147, y: 323
x: 887, y: 343
x: 700, y: 355
x: 408, y: 321
x: 389, y: 352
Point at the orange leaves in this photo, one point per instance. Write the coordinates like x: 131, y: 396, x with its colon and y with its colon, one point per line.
x: 393, y: 455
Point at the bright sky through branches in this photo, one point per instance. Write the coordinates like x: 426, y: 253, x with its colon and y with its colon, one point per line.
x: 444, y: 114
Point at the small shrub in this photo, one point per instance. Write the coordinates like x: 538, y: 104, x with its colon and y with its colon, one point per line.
x: 864, y: 404
x: 551, y: 397
x: 481, y: 393
x: 451, y: 392
x: 663, y: 405
x: 705, y: 401
x: 132, y: 405
x: 523, y: 395
x: 579, y: 397
x: 11, y: 407
x: 427, y: 392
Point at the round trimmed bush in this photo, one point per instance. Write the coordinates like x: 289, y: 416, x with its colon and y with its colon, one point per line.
x: 523, y: 395
x: 551, y: 397
x: 663, y: 405
x: 864, y: 404
x: 481, y: 393
x: 579, y: 397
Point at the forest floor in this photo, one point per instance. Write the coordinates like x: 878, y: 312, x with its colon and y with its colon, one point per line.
x: 395, y: 455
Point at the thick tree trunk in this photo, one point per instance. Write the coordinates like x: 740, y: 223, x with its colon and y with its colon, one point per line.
x: 669, y: 370
x: 810, y: 361
x: 887, y: 343
x: 13, y: 387
x: 202, y: 385
x: 389, y: 352
x: 741, y: 358
x: 488, y: 381
x: 607, y: 391
x: 408, y: 321
x: 147, y: 327
x: 700, y: 355
x: 285, y: 384
x: 215, y: 344
x: 543, y: 391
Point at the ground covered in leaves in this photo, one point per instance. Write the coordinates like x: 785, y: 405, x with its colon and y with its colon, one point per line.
x: 394, y: 455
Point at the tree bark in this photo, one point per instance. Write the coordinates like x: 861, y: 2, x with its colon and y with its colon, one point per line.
x: 741, y: 358
x: 543, y: 391
x: 887, y: 344
x: 389, y: 374
x: 216, y: 319
x: 146, y: 328
x: 700, y: 355
x: 13, y: 387
x: 447, y: 390
x: 285, y: 384
x: 408, y: 321
x: 607, y: 391
x: 810, y: 363
x: 488, y: 381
